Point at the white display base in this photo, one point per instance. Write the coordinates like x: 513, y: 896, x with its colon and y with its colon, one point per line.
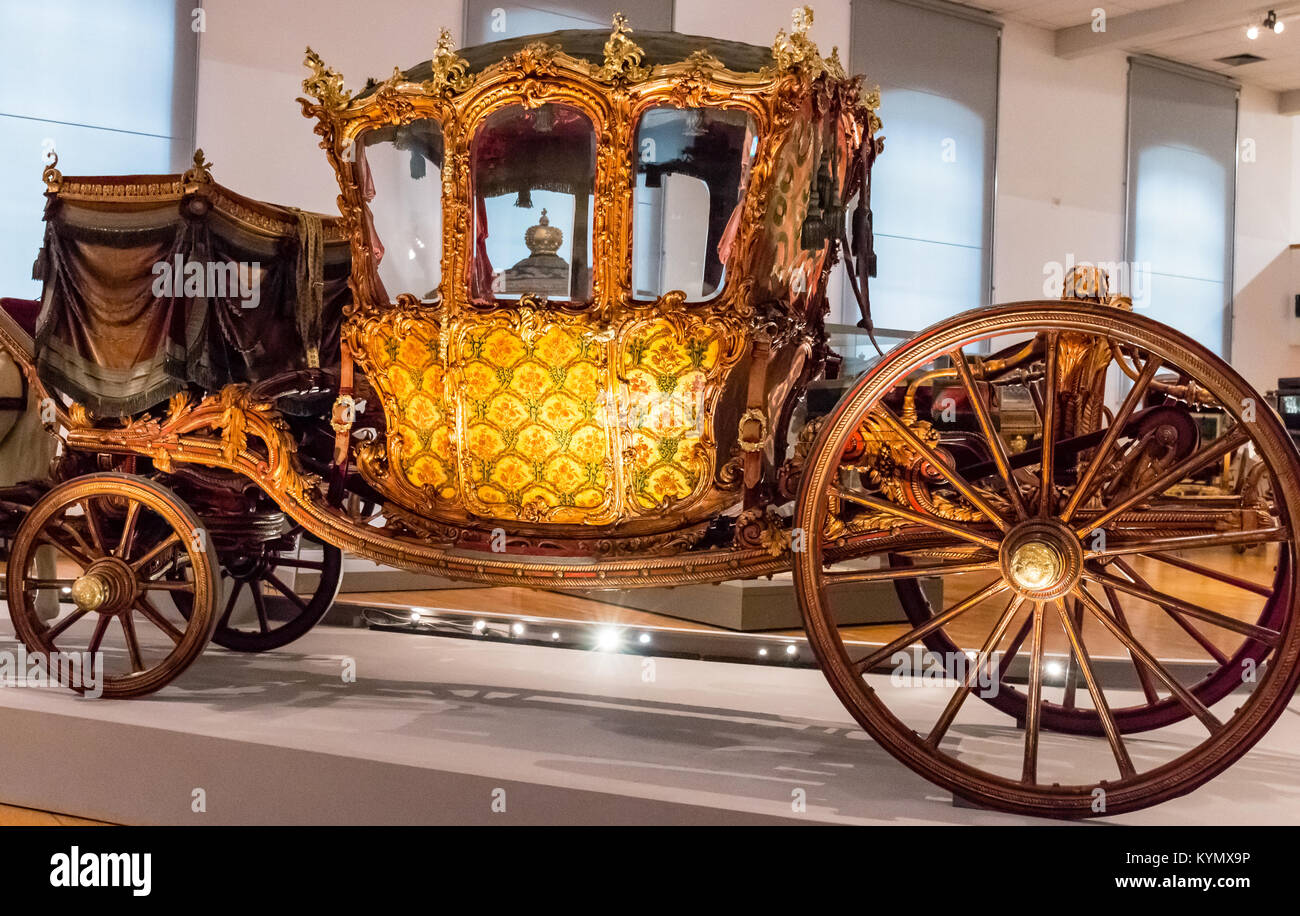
x: 432, y: 727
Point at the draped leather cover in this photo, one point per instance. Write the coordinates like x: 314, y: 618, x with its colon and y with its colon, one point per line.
x: 146, y: 294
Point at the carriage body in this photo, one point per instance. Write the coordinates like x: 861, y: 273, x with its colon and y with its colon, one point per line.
x: 622, y: 398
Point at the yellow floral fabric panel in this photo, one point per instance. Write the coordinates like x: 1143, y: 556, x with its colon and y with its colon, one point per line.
x: 412, y: 375
x: 534, y: 443
x: 664, y: 381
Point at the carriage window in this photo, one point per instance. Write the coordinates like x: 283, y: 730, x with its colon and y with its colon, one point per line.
x: 692, y: 168
x: 534, y: 173
x: 401, y: 171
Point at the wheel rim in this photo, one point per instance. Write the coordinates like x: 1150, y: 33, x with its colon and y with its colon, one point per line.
x: 944, y: 749
x: 118, y: 536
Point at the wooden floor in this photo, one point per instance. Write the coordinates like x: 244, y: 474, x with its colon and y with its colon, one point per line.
x: 11, y: 816
x: 1157, y: 631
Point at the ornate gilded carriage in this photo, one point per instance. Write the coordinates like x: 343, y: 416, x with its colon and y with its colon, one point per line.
x: 584, y: 290
x: 611, y: 417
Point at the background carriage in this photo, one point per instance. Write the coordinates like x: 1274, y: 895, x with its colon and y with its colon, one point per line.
x: 611, y: 407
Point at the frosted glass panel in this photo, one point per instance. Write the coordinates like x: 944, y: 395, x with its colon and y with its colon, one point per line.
x: 109, y: 85
x: 922, y: 282
x: 1195, y: 307
x: 930, y: 182
x: 1179, y: 226
x: 1182, y: 156
x: 932, y: 189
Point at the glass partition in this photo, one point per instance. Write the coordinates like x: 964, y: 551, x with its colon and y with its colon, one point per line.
x: 534, y: 173
x: 401, y: 167
x: 692, y: 166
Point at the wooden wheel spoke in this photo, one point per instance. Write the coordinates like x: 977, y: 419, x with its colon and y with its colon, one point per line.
x: 972, y: 674
x: 916, y: 633
x: 1189, y: 465
x: 59, y: 627
x: 285, y: 590
x: 230, y: 603
x: 1143, y: 675
x: 1047, y: 468
x: 132, y: 643
x: 1200, y: 638
x: 1013, y: 649
x: 155, y: 616
x: 81, y: 554
x: 958, y: 482
x: 1185, y: 696
x: 1210, y: 573
x: 97, y: 637
x: 1071, y: 662
x: 123, y: 550
x: 1191, y: 542
x: 907, y: 572
x: 991, y: 435
x: 259, y: 602
x: 170, y: 541
x: 163, y: 585
x: 1099, y: 458
x: 1034, y: 708
x: 92, y: 523
x: 1264, y: 635
x: 1075, y: 636
x: 938, y: 524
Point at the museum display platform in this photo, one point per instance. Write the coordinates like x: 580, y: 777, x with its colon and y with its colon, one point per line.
x: 432, y: 728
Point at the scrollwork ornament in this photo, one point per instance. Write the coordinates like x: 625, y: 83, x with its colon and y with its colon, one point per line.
x: 450, y: 70
x: 623, y: 56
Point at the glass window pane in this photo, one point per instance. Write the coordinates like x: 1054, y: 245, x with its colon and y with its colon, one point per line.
x: 692, y: 168
x: 405, y: 177
x: 534, y: 176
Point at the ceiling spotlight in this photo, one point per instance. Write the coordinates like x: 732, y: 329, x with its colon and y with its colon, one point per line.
x: 517, y: 628
x: 644, y: 639
x: 480, y: 626
x: 608, y: 640
x: 762, y: 653
x: 415, y: 616
x: 1272, y: 22
x: 791, y: 650
x: 555, y: 635
x: 1252, y: 32
x: 1054, y: 669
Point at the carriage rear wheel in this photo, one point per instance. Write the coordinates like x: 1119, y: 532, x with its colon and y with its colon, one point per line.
x: 268, y: 581
x: 1077, y: 598
x: 117, y: 538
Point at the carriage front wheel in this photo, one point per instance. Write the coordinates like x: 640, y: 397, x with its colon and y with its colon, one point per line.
x: 118, y: 538
x: 1118, y: 652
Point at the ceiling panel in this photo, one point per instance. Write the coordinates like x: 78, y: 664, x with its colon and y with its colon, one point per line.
x: 1280, y: 70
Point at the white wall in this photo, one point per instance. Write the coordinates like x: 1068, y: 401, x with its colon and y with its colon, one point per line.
x: 1061, y: 161
x: 251, y: 70
x: 1265, y: 331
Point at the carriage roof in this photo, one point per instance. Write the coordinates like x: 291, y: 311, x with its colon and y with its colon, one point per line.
x: 589, y: 45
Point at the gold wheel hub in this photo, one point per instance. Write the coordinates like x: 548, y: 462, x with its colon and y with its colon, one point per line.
x: 1041, y: 559
x: 108, y: 587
